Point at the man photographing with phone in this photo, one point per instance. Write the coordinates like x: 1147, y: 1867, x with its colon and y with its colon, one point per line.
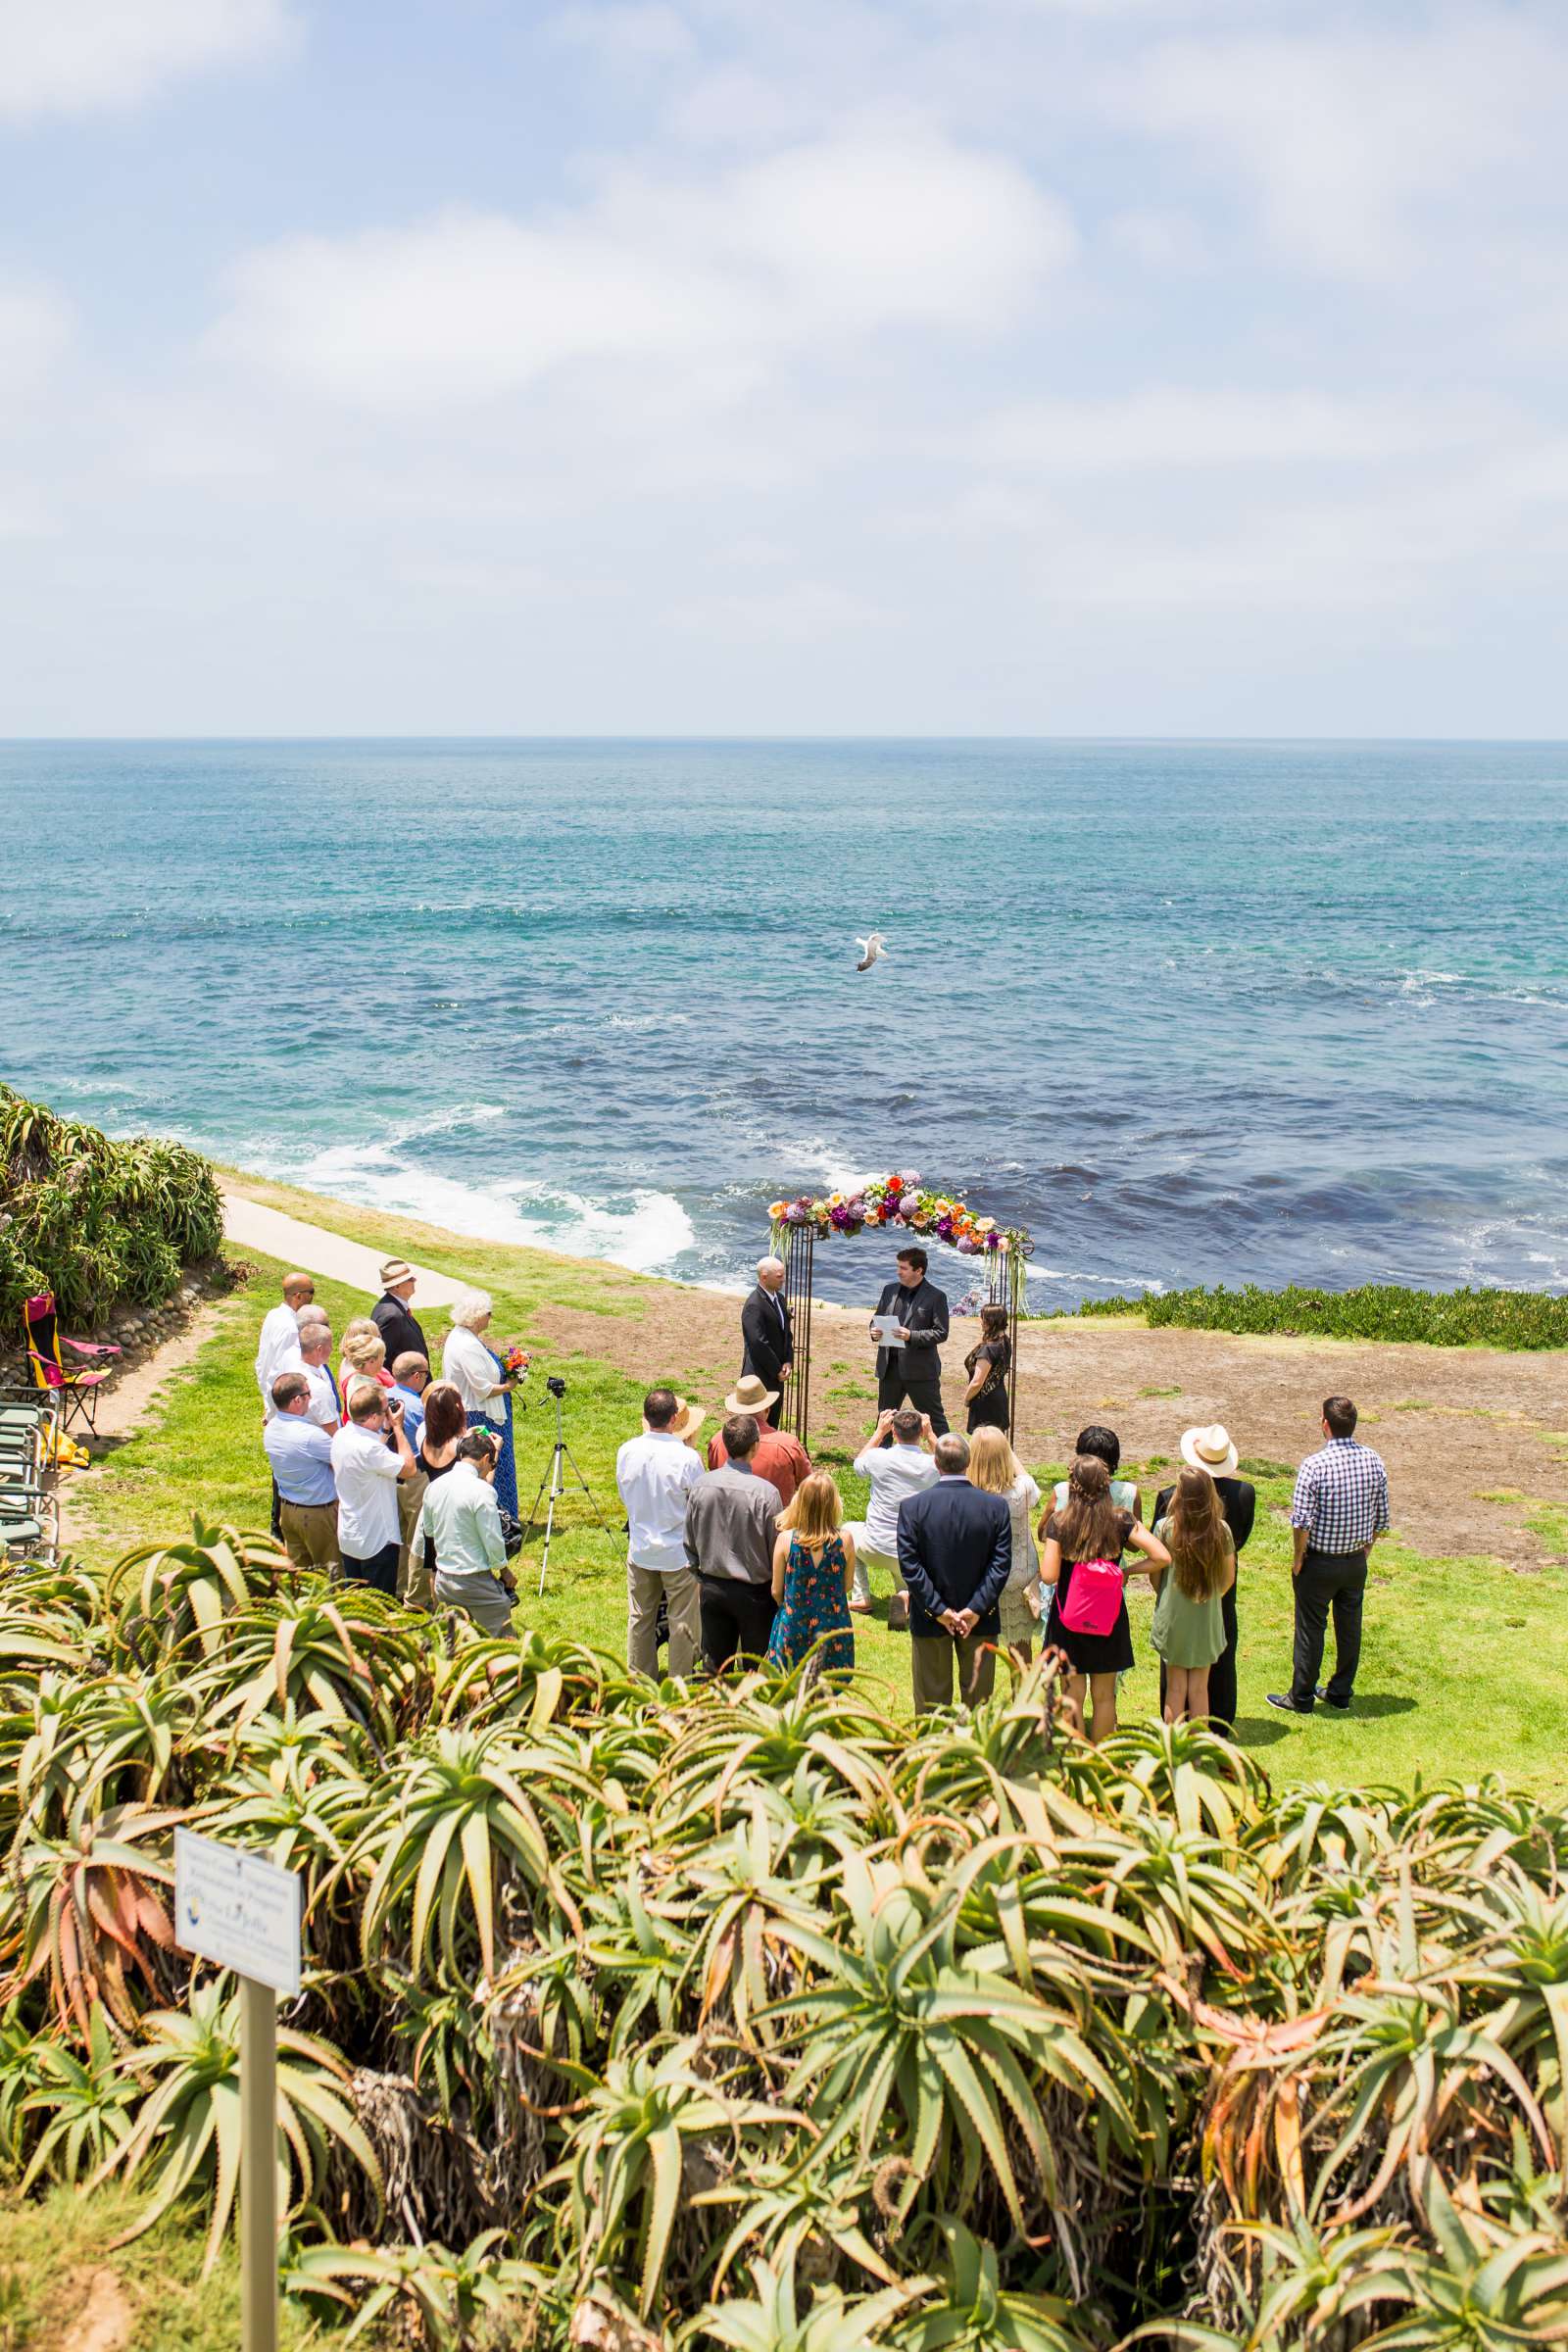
x: 369, y: 1454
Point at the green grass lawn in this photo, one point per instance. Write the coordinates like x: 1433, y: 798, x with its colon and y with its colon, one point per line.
x: 52, y: 2243
x: 1460, y: 1673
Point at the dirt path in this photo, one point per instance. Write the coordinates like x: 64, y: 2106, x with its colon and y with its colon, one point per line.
x: 315, y: 1251
x: 134, y: 1396
x: 1476, y: 1441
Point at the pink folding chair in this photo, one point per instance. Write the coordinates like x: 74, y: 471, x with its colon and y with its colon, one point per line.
x: 74, y: 1386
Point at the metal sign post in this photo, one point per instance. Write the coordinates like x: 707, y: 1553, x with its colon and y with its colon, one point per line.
x: 244, y: 1914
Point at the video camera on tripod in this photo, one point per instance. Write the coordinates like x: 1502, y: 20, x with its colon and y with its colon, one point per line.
x: 554, y: 1477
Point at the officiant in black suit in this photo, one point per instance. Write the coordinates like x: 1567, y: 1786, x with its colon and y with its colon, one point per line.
x: 914, y: 1370
x: 768, y: 1334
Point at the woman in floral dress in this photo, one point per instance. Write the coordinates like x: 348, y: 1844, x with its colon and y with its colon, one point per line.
x: 812, y: 1563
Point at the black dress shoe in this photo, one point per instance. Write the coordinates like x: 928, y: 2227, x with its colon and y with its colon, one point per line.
x: 1340, y: 1706
x: 1282, y: 1700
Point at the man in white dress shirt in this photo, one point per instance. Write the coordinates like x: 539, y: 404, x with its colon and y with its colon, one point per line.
x: 278, y: 1350
x: 370, y: 1455
x: 280, y: 1334
x: 326, y: 1407
x: 898, y: 1462
x: 654, y: 1473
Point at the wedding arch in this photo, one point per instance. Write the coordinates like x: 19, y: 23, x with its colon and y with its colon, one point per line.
x: 900, y: 1205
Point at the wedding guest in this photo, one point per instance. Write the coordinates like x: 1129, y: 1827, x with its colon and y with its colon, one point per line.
x: 1106, y: 1446
x: 995, y: 1469
x: 362, y: 1357
x: 988, y: 1365
x: 912, y: 1370
x: 1091, y: 1525
x: 280, y: 1335
x: 275, y: 1348
x: 814, y: 1560
x: 301, y: 1455
x: 462, y: 1520
x: 326, y: 1407
x: 897, y: 1461
x: 654, y: 1473
x: 955, y: 1555
x: 731, y: 1514
x: 1339, y: 1511
x: 411, y: 1377
x: 767, y: 1335
x: 476, y: 1372
x: 1189, y: 1628
x: 367, y: 1471
x: 443, y: 1425
x: 392, y: 1315
x: 780, y: 1458
x: 1211, y: 1449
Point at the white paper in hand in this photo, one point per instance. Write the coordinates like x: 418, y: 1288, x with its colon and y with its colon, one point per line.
x: 886, y: 1329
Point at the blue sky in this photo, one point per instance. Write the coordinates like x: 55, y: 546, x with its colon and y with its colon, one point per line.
x: 710, y: 366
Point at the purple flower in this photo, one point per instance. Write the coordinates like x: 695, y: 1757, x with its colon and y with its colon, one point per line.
x: 795, y: 1214
x: 967, y: 1247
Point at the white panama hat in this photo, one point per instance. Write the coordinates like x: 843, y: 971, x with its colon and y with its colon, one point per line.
x: 1210, y: 1449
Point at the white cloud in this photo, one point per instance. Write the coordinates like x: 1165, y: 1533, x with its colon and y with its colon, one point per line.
x: 867, y: 231
x: 1347, y: 137
x: 62, y: 56
x: 1178, y: 427
x: 36, y: 327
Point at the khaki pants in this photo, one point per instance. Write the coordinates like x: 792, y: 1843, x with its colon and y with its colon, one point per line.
x: 678, y: 1588
x: 865, y: 1559
x: 414, y: 1582
x: 310, y: 1534
x: 932, y: 1658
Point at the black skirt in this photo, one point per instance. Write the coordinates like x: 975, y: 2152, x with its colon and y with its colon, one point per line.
x: 989, y: 1411
x: 1089, y: 1654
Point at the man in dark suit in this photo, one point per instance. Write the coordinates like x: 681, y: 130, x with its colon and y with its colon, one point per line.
x: 768, y: 1334
x: 393, y: 1316
x: 955, y: 1554
x: 1211, y: 1449
x: 913, y: 1370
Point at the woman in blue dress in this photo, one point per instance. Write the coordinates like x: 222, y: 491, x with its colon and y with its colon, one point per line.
x: 484, y: 1384
x: 812, y: 1564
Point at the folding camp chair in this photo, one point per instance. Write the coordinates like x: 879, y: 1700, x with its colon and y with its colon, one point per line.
x: 74, y: 1387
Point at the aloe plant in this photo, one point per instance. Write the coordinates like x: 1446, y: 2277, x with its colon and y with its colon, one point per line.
x: 186, y: 2132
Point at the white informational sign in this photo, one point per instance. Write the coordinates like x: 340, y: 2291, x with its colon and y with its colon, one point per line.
x: 237, y: 1910
x: 885, y: 1329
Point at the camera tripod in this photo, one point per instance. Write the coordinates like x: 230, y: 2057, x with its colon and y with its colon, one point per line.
x: 554, y: 1478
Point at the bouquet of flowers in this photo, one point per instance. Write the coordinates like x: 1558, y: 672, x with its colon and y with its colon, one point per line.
x: 514, y: 1362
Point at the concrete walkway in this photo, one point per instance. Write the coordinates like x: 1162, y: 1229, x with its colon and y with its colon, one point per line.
x: 315, y: 1250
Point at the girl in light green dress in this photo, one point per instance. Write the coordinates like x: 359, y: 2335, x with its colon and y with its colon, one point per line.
x: 1189, y: 1628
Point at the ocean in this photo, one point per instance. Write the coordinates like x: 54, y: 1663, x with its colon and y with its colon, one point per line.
x: 1190, y: 1012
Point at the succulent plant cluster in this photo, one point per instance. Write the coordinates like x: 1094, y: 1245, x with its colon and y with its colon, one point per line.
x: 95, y: 1221
x: 654, y: 2017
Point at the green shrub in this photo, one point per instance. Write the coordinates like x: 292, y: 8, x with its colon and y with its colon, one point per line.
x: 1374, y: 1310
x: 95, y: 1221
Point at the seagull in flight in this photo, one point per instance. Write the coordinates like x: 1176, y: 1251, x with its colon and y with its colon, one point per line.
x: 871, y: 950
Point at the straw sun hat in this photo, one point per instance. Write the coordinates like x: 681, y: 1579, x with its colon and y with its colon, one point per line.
x: 395, y: 1270
x: 688, y: 1421
x: 1210, y: 1449
x: 749, y: 1395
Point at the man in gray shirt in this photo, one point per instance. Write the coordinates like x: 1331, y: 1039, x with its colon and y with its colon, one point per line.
x: 731, y: 1520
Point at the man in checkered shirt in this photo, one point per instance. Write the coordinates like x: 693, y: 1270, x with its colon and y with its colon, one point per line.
x: 1339, y: 1511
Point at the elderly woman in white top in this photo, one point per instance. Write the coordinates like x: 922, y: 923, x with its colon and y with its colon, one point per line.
x: 476, y: 1373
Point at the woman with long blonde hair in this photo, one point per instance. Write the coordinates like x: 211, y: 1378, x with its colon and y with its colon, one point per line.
x: 1189, y: 1630
x: 1092, y: 1527
x: 995, y: 1469
x: 813, y: 1561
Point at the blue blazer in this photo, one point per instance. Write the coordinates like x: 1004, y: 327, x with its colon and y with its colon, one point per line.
x: 954, y: 1552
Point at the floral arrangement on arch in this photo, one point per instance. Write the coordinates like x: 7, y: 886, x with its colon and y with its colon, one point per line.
x: 900, y: 1201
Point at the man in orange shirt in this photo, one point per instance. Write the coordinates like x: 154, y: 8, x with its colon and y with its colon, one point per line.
x: 780, y: 1458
